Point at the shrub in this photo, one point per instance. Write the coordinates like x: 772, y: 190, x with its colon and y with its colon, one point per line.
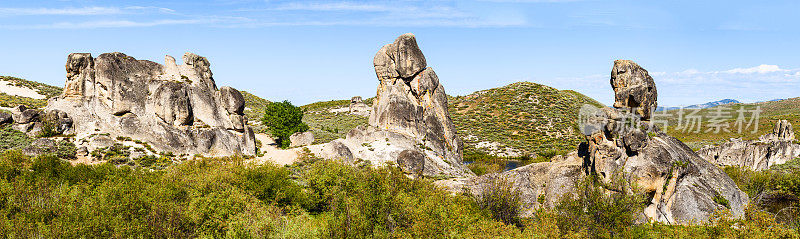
x: 49, y: 127
x: 283, y: 119
x: 366, y: 202
x: 501, y: 199
x: 776, y: 190
x: 11, y: 138
x: 590, y: 211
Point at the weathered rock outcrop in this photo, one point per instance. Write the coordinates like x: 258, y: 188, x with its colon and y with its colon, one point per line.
x: 174, y: 108
x: 781, y: 132
x: 681, y: 187
x: 770, y: 149
x: 539, y: 184
x: 6, y: 118
x: 358, y: 107
x: 633, y: 88
x: 301, y: 139
x: 409, y: 113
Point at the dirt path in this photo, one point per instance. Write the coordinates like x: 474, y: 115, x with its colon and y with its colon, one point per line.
x: 274, y: 154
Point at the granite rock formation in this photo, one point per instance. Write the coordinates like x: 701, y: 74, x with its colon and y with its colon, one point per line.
x: 681, y: 187
x: 301, y: 139
x: 409, y: 116
x: 634, y: 89
x: 770, y: 149
x: 174, y: 108
x: 358, y: 107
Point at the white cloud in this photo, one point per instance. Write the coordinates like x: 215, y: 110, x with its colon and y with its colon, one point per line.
x: 762, y: 69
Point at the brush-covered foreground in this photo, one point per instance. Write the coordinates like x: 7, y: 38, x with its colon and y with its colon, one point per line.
x: 46, y: 197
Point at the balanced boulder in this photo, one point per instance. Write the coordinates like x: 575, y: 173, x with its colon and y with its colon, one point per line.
x: 633, y: 88
x: 626, y: 154
x: 409, y: 113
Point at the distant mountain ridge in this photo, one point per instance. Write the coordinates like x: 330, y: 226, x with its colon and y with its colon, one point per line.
x: 701, y: 106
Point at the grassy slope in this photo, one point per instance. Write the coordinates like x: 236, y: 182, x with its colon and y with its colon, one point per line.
x: 772, y: 111
x: 12, y: 101
x: 328, y: 126
x: 526, y: 116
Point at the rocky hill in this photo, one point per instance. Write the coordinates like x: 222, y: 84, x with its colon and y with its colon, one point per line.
x: 519, y: 119
x: 144, y: 107
x: 770, y: 112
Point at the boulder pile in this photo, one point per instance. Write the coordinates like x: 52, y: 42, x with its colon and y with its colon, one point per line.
x: 173, y: 108
x: 770, y: 149
x: 680, y: 186
x: 409, y: 124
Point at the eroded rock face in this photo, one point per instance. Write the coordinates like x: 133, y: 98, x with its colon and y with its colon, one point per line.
x: 681, y: 187
x: 358, y: 107
x: 5, y: 118
x: 409, y: 116
x: 633, y: 88
x: 539, y: 184
x: 781, y: 132
x: 301, y: 139
x: 771, y: 149
x: 174, y: 108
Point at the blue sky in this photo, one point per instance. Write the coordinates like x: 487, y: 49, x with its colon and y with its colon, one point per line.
x: 307, y: 51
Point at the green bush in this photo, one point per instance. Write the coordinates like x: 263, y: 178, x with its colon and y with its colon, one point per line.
x: 283, y: 119
x: 501, y: 199
x: 776, y: 190
x: 592, y: 212
x: 11, y: 139
x: 46, y: 197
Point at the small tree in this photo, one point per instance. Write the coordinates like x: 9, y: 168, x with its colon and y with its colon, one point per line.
x: 283, y: 119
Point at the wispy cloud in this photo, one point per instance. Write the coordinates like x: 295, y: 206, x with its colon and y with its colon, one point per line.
x: 59, y: 11
x: 332, y: 6
x: 84, y: 11
x: 331, y: 13
x: 109, y: 24
x: 379, y: 13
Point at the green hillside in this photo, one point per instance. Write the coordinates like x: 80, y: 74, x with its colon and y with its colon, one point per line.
x: 327, y: 125
x: 43, y: 89
x: 770, y: 112
x: 528, y: 117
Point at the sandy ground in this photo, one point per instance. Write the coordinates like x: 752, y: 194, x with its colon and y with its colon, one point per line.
x: 276, y: 155
x: 9, y: 89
